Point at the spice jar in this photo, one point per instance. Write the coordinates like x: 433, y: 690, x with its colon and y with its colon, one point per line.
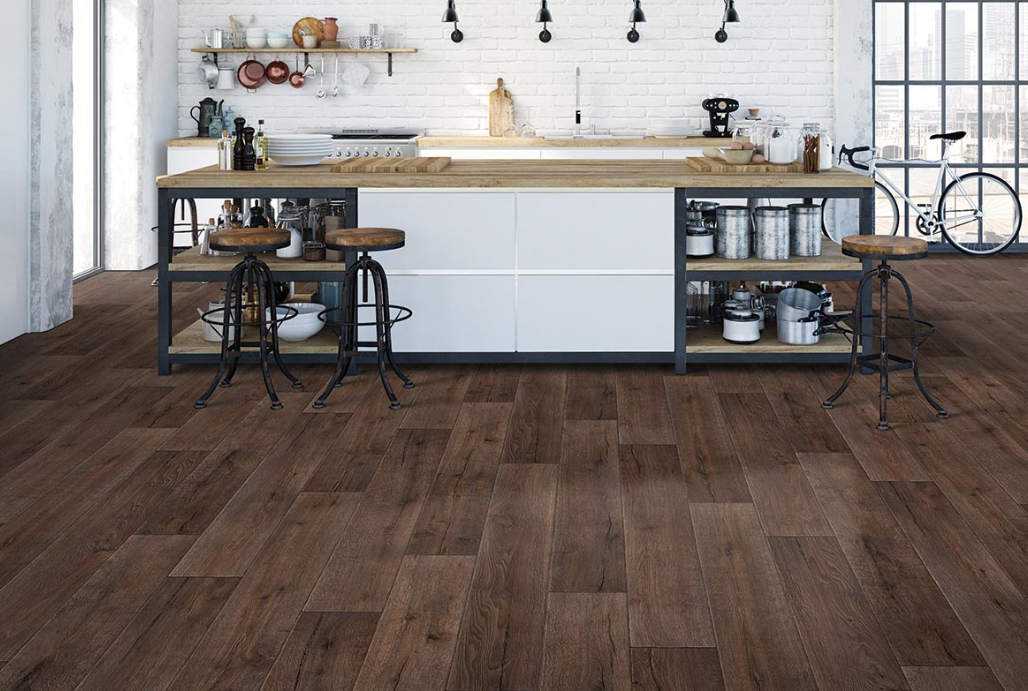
x: 810, y: 146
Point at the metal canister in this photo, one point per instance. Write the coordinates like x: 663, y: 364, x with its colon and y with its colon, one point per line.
x: 734, y: 232
x: 805, y: 230
x: 771, y: 232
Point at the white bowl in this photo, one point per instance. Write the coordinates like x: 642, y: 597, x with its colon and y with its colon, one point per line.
x: 304, y: 325
x: 256, y: 31
x: 279, y: 43
x: 256, y: 42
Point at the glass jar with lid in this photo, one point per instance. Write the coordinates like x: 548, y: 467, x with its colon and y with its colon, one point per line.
x: 777, y: 141
x: 810, y: 147
x: 292, y: 220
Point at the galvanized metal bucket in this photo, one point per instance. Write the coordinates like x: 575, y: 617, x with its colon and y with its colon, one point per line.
x: 805, y: 230
x: 734, y: 232
x: 771, y: 232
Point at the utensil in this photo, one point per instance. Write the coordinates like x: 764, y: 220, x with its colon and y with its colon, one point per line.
x: 313, y: 27
x: 795, y: 304
x: 215, y: 38
x: 802, y: 332
x: 277, y: 71
x: 205, y: 112
x: 699, y: 240
x: 741, y: 326
x: 226, y: 75
x: 279, y: 41
x: 335, y: 89
x: 297, y: 79
x: 208, y: 72
x: 251, y: 74
x: 256, y: 38
x: 321, y: 93
x: 306, y: 323
x: 212, y: 322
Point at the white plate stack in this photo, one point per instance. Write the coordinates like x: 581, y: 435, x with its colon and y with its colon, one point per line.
x: 299, y: 149
x: 670, y: 128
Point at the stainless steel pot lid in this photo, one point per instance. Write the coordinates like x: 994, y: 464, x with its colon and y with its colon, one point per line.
x: 742, y: 316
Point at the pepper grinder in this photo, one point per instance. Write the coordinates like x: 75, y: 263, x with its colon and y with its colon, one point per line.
x: 249, y: 157
x: 240, y: 145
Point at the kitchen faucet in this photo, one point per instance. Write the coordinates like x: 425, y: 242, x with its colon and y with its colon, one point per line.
x: 578, y: 102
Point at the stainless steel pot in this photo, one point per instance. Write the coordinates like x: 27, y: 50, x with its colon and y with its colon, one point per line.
x: 741, y: 326
x: 802, y: 332
x: 795, y: 304
x: 699, y: 240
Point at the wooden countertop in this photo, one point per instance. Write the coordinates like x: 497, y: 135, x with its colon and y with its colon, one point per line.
x: 511, y: 174
x: 486, y: 142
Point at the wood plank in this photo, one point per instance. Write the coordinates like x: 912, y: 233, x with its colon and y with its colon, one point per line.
x: 709, y: 462
x: 226, y: 409
x: 990, y: 606
x: 734, y: 379
x: 28, y: 533
x: 643, y: 415
x: 240, y: 531
x: 844, y: 643
x: 48, y: 581
x: 797, y: 406
x: 440, y: 398
x: 161, y: 637
x: 493, y: 384
x: 364, y: 565
x: 783, y: 496
x: 324, y: 652
x: 589, y: 532
x: 592, y: 393
x: 994, y: 516
x: 535, y: 430
x: 587, y: 642
x: 500, y: 644
x: 667, y: 603
x: 916, y: 617
x: 192, y: 507
x: 756, y: 636
x: 683, y: 669
x: 417, y: 634
x: 69, y: 644
x: 240, y: 647
x: 951, y: 679
x: 453, y: 517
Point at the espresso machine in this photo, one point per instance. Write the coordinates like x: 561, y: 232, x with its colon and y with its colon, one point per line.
x: 720, y: 109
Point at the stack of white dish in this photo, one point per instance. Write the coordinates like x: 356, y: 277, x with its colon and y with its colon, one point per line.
x: 305, y: 324
x: 670, y: 128
x: 299, y: 149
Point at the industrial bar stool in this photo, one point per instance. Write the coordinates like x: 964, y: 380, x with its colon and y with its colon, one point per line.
x: 885, y: 248
x: 361, y: 241
x: 251, y: 278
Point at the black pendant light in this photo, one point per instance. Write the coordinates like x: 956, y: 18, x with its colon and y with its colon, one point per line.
x: 731, y: 17
x: 636, y: 17
x: 545, y: 17
x: 450, y: 17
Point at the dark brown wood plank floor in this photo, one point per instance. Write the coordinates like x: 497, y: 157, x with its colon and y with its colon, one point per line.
x: 515, y: 527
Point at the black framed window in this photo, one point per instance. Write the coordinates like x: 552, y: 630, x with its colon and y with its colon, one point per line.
x: 944, y: 65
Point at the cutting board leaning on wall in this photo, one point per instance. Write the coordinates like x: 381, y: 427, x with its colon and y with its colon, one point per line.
x: 501, y: 110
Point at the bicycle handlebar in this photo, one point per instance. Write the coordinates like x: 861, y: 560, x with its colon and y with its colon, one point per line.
x: 848, y: 155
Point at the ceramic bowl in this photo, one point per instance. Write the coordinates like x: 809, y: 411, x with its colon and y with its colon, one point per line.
x: 256, y: 42
x: 304, y: 325
x: 279, y: 42
x: 736, y: 157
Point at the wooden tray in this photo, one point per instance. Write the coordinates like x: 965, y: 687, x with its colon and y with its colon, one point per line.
x: 393, y: 165
x: 717, y: 165
x: 312, y: 24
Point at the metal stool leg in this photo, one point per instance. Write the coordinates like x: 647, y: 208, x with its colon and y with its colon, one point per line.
x: 380, y: 333
x: 262, y: 321
x: 236, y: 307
x: 858, y: 321
x: 264, y: 272
x: 233, y: 278
x: 407, y: 383
x: 939, y: 410
x: 885, y: 273
x: 346, y: 341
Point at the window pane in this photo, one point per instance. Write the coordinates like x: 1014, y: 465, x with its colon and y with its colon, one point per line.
x: 1023, y: 121
x: 961, y: 41
x: 998, y: 36
x: 962, y: 115
x: 1024, y: 42
x: 998, y: 124
x: 925, y: 44
x: 925, y: 120
x: 889, y: 123
x: 890, y: 33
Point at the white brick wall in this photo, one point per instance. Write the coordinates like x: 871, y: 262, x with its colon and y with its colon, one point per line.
x: 780, y: 58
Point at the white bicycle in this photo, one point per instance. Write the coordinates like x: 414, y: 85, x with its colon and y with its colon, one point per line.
x: 978, y: 213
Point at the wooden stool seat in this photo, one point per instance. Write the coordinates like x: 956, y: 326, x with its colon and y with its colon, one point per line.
x: 250, y: 240
x: 884, y: 247
x: 364, y: 239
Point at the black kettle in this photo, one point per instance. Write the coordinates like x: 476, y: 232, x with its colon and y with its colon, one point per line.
x: 208, y: 108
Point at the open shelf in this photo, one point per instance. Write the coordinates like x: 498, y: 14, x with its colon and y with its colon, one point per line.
x: 190, y: 341
x: 298, y: 49
x: 191, y: 260
x: 707, y: 340
x: 831, y: 261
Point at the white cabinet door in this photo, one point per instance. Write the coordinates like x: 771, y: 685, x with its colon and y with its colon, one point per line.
x: 610, y: 230
x: 485, y: 153
x: 602, y: 153
x: 453, y: 314
x: 445, y: 230
x: 618, y: 314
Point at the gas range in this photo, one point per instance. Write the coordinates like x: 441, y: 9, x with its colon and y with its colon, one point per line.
x: 372, y: 143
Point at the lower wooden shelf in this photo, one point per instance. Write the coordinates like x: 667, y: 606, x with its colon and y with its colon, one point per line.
x: 831, y: 260
x: 190, y: 341
x: 707, y: 340
x: 192, y: 260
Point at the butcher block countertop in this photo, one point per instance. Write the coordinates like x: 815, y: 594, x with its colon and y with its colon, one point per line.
x: 487, y: 142
x: 512, y: 174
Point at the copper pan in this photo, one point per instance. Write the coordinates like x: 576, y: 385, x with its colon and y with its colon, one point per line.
x: 277, y: 72
x: 251, y: 75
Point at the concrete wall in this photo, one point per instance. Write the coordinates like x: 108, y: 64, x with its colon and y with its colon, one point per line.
x: 14, y: 171
x: 780, y: 58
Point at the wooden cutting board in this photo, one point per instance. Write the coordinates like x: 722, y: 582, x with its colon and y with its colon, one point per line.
x: 393, y: 165
x: 501, y: 105
x: 716, y: 165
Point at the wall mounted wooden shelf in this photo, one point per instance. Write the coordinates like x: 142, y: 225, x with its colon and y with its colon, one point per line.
x: 306, y: 51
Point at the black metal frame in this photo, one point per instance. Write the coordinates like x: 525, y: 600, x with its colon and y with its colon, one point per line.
x: 678, y: 357
x: 1018, y: 165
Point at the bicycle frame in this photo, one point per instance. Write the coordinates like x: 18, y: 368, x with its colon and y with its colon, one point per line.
x: 946, y: 175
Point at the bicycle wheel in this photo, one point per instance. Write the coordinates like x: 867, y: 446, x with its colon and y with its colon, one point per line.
x: 999, y: 223
x: 841, y: 217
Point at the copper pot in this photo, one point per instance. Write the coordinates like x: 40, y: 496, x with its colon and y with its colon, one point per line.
x: 277, y: 72
x: 298, y: 79
x: 251, y: 75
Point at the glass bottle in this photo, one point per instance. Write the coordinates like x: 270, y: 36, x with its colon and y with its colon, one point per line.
x: 260, y: 145
x: 225, y: 151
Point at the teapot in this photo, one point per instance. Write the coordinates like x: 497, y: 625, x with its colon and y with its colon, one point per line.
x: 207, y: 109
x: 215, y: 39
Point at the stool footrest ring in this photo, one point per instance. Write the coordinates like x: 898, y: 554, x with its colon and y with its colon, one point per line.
x: 402, y: 314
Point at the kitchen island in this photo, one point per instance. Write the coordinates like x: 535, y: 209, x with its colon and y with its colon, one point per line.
x: 526, y: 261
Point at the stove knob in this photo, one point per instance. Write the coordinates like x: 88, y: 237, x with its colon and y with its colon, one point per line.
x: 348, y: 154
x: 375, y: 153
x: 367, y: 153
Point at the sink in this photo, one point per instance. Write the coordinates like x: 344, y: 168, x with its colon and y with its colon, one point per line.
x: 567, y: 137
